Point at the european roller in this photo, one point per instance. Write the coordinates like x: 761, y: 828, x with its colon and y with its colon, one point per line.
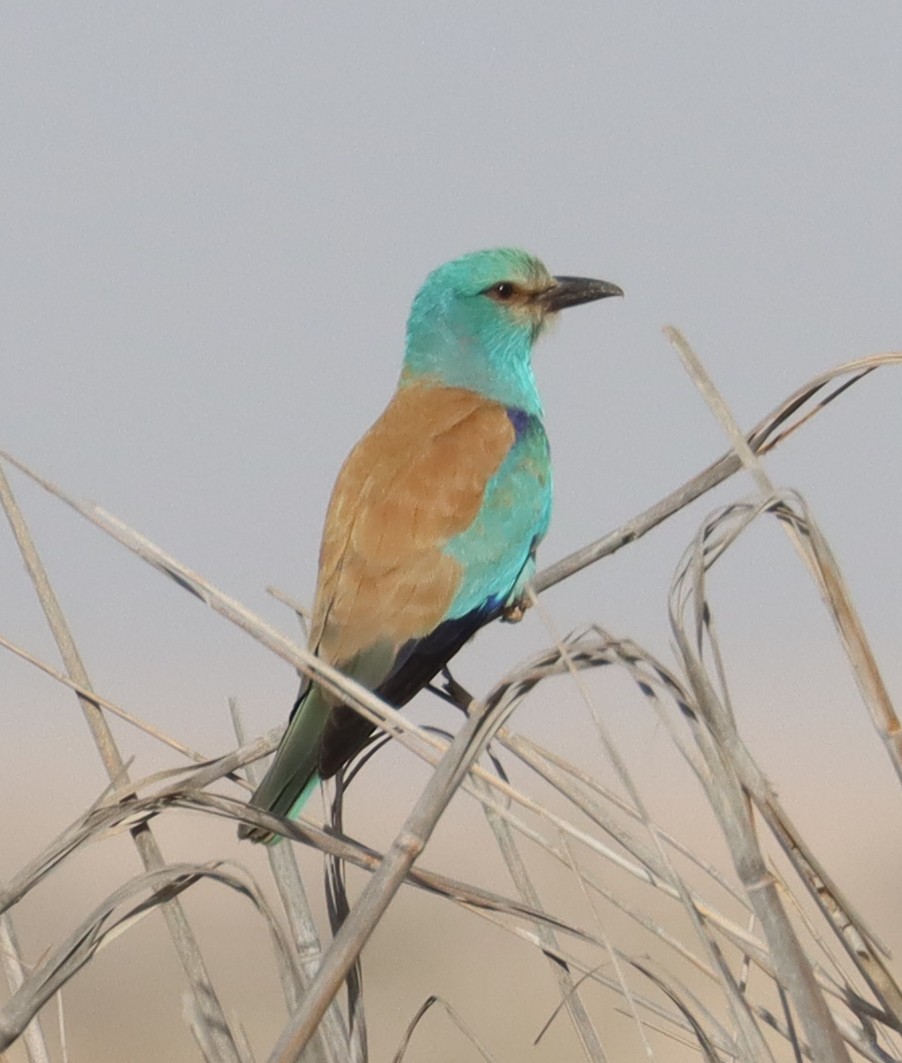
x: 436, y: 514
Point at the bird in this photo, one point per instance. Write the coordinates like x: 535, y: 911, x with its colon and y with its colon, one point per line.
x: 433, y: 524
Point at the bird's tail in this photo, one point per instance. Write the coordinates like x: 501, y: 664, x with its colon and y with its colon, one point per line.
x: 293, y: 775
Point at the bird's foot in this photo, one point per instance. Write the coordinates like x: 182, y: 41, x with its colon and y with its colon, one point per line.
x: 514, y: 613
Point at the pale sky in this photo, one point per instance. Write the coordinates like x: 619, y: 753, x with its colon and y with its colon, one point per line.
x: 214, y: 216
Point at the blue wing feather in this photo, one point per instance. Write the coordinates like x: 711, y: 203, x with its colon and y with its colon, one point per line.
x: 495, y: 553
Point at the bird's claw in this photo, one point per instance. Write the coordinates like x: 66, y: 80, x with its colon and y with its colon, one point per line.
x: 515, y: 612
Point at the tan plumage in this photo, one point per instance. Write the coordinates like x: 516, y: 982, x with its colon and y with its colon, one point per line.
x: 414, y: 481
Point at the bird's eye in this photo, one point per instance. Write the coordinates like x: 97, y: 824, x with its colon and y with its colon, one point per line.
x: 501, y: 293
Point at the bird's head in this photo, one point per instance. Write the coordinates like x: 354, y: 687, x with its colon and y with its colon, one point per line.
x: 474, y: 322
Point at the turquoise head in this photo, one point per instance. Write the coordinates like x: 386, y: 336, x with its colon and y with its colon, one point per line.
x: 475, y: 320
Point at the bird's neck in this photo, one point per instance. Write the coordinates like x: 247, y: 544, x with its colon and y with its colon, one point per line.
x: 505, y: 375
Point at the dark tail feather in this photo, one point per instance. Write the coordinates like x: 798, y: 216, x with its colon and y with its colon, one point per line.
x: 347, y: 732
x: 321, y: 738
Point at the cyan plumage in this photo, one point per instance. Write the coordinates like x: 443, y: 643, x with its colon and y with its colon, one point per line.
x: 435, y: 516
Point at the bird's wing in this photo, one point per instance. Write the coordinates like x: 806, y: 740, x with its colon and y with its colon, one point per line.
x: 415, y: 482
x: 431, y: 529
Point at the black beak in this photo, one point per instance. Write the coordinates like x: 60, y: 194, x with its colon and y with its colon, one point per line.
x: 571, y: 291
